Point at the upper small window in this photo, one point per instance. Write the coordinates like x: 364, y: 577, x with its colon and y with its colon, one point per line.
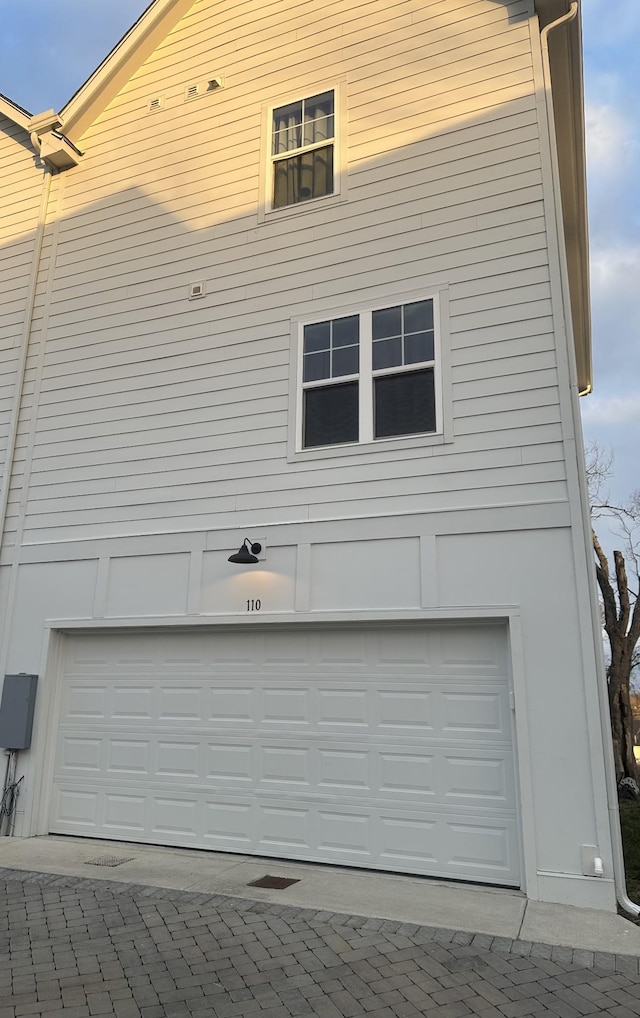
x: 302, y: 150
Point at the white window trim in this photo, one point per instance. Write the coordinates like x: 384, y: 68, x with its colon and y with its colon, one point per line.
x: 365, y: 376
x: 266, y: 211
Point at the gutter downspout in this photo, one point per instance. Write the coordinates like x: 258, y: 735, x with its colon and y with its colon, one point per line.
x: 603, y: 697
x: 24, y: 342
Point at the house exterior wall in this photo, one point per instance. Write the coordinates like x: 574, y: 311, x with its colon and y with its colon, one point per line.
x: 162, y: 430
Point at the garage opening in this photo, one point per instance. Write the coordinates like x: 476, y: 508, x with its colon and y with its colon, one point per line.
x: 379, y: 746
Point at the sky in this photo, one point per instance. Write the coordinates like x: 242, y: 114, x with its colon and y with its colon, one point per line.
x: 49, y: 47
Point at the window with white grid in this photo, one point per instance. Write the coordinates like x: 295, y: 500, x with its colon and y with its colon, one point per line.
x: 302, y: 147
x: 369, y: 376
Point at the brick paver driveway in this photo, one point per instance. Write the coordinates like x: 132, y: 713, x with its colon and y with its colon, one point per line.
x: 75, y: 948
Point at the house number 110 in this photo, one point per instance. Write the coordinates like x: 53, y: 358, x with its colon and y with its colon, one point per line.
x: 254, y: 605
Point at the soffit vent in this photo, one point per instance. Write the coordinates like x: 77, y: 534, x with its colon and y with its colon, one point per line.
x: 197, y: 289
x: 192, y: 91
x: 155, y: 104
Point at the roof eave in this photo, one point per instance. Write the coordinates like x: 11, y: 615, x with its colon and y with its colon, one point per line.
x: 14, y: 113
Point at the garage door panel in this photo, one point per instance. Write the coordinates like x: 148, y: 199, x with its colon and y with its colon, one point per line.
x: 125, y: 816
x: 178, y: 760
x: 229, y: 706
x: 129, y: 756
x: 479, y: 651
x: 86, y: 701
x: 79, y: 754
x: 229, y: 763
x: 408, y: 773
x: 286, y: 706
x: 176, y: 817
x: 471, y: 845
x: 480, y: 848
x: 229, y: 826
x: 365, y: 746
x: 343, y: 708
x: 339, y: 770
x: 406, y: 711
x: 286, y: 829
x: 478, y: 778
x: 394, y: 770
x: 468, y: 713
x: 77, y: 810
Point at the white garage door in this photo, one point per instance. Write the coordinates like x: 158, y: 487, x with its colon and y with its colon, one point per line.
x: 383, y: 747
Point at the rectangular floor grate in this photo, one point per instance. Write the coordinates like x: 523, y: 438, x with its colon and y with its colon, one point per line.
x: 109, y: 860
x: 277, y: 883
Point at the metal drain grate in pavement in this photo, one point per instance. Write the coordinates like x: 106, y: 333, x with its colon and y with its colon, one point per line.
x: 277, y: 883
x: 109, y: 860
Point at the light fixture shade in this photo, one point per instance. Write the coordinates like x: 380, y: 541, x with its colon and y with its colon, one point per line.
x: 247, y: 553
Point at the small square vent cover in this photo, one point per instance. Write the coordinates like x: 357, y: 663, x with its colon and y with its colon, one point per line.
x: 277, y: 883
x: 109, y: 860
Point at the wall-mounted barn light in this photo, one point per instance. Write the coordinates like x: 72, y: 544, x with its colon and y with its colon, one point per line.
x: 247, y: 553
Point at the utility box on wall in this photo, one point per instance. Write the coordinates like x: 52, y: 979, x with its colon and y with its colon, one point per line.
x: 16, y: 710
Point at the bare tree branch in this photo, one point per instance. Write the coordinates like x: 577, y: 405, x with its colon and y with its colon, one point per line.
x: 620, y: 602
x: 623, y: 591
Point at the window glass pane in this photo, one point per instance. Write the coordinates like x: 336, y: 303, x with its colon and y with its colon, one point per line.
x: 387, y: 322
x: 331, y: 415
x: 317, y: 337
x: 387, y: 353
x: 418, y: 347
x: 418, y: 317
x: 316, y: 366
x: 344, y: 361
x: 287, y: 129
x: 318, y: 118
x: 299, y: 178
x: 346, y: 331
x: 404, y: 404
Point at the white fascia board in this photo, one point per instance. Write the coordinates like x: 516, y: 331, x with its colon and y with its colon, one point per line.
x: 122, y: 62
x: 14, y: 113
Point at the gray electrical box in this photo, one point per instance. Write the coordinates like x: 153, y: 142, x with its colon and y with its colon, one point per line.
x: 16, y: 710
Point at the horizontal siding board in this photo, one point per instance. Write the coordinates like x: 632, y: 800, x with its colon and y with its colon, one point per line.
x: 270, y: 288
x: 526, y: 417
x: 217, y: 417
x: 258, y: 271
x: 223, y: 464
x: 433, y: 176
x: 307, y: 480
x: 481, y: 344
x: 502, y: 370
x: 147, y: 508
x: 521, y: 296
x: 480, y: 388
x: 515, y: 495
x: 501, y: 403
x: 469, y: 56
x: 103, y: 272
